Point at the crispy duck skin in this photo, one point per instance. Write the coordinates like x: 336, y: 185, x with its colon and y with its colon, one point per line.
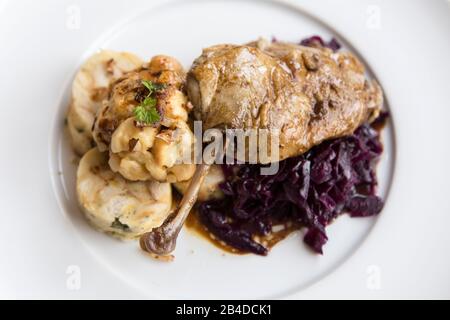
x: 308, y: 94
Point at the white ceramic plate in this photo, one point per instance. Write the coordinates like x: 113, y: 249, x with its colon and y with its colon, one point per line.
x: 48, y: 250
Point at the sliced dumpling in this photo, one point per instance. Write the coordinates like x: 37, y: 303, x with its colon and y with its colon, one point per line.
x: 115, y: 205
x: 90, y: 88
x: 153, y: 153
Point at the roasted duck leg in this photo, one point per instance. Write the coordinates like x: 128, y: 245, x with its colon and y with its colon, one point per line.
x: 306, y: 95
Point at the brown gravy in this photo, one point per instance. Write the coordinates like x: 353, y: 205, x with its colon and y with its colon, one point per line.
x: 195, y: 226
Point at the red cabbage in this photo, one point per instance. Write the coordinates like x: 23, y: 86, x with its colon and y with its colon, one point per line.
x: 316, y: 41
x: 310, y: 190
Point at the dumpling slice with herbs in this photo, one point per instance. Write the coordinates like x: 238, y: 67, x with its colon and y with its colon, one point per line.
x: 90, y: 88
x: 157, y: 153
x: 117, y: 206
x: 144, y: 126
x: 151, y: 94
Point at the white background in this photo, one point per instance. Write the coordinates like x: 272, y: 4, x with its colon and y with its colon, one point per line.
x: 407, y: 255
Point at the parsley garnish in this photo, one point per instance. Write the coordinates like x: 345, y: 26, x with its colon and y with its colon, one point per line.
x: 146, y: 112
x: 117, y: 224
x: 146, y: 115
x: 152, y: 87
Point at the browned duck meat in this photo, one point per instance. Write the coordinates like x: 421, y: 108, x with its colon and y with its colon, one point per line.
x: 308, y: 94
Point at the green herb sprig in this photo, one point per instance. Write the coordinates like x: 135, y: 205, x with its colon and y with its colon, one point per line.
x: 146, y: 112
